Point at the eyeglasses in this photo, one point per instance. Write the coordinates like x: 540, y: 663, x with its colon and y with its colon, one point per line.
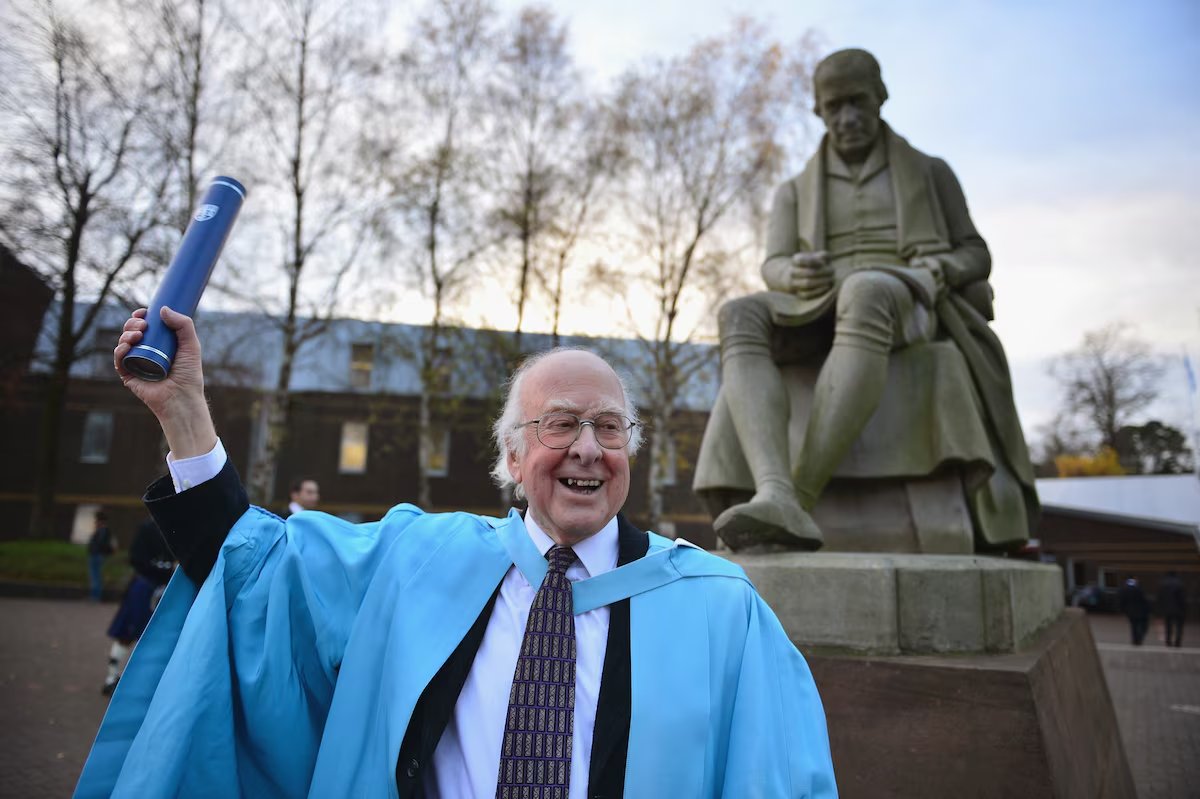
x: 560, y: 430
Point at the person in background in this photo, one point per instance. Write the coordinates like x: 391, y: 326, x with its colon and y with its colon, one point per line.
x: 1134, y: 605
x: 99, y: 547
x: 1172, y: 603
x: 304, y: 494
x: 153, y: 565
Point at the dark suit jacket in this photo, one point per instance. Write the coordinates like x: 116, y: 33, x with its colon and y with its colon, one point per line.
x: 196, y: 522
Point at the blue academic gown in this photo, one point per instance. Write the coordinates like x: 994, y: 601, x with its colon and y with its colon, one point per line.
x: 294, y: 669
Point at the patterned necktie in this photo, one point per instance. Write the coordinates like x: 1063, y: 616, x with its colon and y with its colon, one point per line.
x: 535, y: 759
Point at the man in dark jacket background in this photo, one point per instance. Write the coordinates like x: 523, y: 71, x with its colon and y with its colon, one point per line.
x: 99, y: 547
x: 1134, y: 605
x: 1172, y: 604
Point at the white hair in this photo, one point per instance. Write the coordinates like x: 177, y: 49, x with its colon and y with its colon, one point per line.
x: 507, y: 429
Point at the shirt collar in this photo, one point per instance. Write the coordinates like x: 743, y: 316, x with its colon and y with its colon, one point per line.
x: 295, y: 507
x: 597, y: 553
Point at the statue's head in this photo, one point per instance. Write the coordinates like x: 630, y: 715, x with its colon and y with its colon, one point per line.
x: 849, y: 93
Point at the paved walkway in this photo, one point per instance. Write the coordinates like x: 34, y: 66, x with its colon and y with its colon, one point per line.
x: 1156, y: 693
x: 53, y: 655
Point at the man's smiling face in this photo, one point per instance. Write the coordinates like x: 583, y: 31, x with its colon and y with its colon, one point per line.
x: 582, y: 384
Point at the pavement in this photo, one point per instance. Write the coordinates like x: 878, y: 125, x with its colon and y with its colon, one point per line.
x: 1156, y: 694
x: 53, y: 656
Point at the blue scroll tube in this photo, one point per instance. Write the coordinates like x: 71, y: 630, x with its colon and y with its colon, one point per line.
x: 186, y: 277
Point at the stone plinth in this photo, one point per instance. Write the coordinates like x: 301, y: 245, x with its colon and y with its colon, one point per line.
x: 949, y: 675
x: 1032, y: 724
x: 907, y: 604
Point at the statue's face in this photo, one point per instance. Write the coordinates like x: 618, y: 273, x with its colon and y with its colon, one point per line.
x: 849, y: 106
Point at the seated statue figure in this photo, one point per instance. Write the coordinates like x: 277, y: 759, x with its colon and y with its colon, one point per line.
x: 870, y: 254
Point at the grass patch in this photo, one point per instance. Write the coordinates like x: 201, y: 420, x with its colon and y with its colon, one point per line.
x: 57, y: 562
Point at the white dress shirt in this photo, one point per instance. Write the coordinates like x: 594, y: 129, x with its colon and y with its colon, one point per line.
x: 466, y: 762
x: 190, y: 472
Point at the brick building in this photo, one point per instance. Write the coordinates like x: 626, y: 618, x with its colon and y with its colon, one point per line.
x: 354, y: 401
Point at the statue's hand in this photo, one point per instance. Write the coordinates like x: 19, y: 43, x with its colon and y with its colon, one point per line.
x: 934, y: 266
x: 811, y: 275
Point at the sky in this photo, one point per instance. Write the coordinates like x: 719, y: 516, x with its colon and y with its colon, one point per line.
x: 1073, y: 126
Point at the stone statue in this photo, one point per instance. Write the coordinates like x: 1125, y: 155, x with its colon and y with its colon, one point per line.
x: 878, y: 281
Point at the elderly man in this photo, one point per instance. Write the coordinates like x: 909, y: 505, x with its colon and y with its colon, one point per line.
x: 562, y: 653
x: 869, y: 250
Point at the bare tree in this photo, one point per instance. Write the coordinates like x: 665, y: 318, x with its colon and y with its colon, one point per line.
x: 592, y: 168
x: 191, y: 50
x: 533, y: 97
x: 304, y: 90
x: 705, y: 134
x: 1059, y: 436
x: 1107, y: 381
x: 558, y: 148
x: 432, y: 226
x: 82, y: 185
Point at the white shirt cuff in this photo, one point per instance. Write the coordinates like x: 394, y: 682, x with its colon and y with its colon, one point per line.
x: 191, y: 472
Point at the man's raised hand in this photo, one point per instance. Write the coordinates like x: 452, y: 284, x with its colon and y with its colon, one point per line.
x: 178, y: 401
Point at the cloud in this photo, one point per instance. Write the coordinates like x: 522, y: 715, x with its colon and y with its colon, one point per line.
x: 1061, y: 269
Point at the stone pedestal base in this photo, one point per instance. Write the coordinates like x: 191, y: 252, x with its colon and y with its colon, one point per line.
x: 946, y: 675
x: 1037, y: 723
x: 906, y: 604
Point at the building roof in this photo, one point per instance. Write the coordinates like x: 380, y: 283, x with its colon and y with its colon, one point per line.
x: 1169, y: 499
x: 244, y: 349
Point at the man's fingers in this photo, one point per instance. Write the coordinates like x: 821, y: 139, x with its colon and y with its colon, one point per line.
x: 173, y: 319
x: 185, y: 331
x: 119, y: 354
x: 135, y: 323
x: 182, y: 325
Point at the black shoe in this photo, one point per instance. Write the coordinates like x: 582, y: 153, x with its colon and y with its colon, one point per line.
x: 109, y: 687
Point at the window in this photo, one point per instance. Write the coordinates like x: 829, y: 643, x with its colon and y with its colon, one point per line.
x: 362, y: 360
x: 103, y: 342
x: 353, y: 457
x: 435, y: 455
x: 97, y: 437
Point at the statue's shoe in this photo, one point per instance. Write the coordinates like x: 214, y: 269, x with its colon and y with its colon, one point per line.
x: 762, y: 525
